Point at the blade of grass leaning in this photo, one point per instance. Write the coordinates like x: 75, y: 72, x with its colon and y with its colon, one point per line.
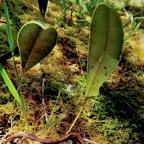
x: 49, y: 119
x: 49, y: 123
x: 10, y: 37
x: 12, y: 89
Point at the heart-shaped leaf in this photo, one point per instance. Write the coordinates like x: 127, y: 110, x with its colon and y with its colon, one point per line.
x: 105, y: 50
x: 35, y: 41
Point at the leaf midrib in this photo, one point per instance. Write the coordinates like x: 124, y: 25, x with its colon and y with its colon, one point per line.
x: 37, y: 38
x: 103, y: 56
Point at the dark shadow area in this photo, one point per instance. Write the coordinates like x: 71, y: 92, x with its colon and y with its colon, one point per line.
x: 124, y: 107
x: 126, y: 101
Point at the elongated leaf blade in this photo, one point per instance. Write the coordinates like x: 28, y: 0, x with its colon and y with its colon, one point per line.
x: 13, y: 90
x: 43, y: 6
x: 11, y: 86
x: 10, y: 37
x: 48, y: 125
x: 105, y: 50
x: 35, y: 41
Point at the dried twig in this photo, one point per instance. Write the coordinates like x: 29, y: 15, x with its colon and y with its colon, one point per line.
x: 70, y: 136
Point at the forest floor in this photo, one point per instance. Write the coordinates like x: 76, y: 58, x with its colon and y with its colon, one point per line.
x: 116, y: 116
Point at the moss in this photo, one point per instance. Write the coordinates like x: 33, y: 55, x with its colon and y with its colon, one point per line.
x: 115, y: 116
x: 4, y: 46
x: 16, y: 10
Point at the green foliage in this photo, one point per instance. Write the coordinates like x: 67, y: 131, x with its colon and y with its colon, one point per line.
x: 90, y: 5
x: 3, y: 72
x: 113, y: 116
x: 16, y: 9
x: 48, y: 122
x: 106, y: 41
x: 105, y: 50
x: 4, y: 46
x: 42, y: 40
x: 12, y: 89
x: 10, y: 37
x: 35, y: 40
x: 131, y: 24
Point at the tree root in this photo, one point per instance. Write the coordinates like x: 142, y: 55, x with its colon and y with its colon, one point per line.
x: 70, y: 136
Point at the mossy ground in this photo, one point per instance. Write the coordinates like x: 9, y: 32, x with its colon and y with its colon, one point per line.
x: 114, y: 117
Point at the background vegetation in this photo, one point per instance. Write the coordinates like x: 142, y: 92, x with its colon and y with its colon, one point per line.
x: 116, y: 115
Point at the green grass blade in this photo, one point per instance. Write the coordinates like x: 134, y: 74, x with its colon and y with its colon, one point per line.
x: 12, y: 89
x: 49, y: 123
x: 10, y: 37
